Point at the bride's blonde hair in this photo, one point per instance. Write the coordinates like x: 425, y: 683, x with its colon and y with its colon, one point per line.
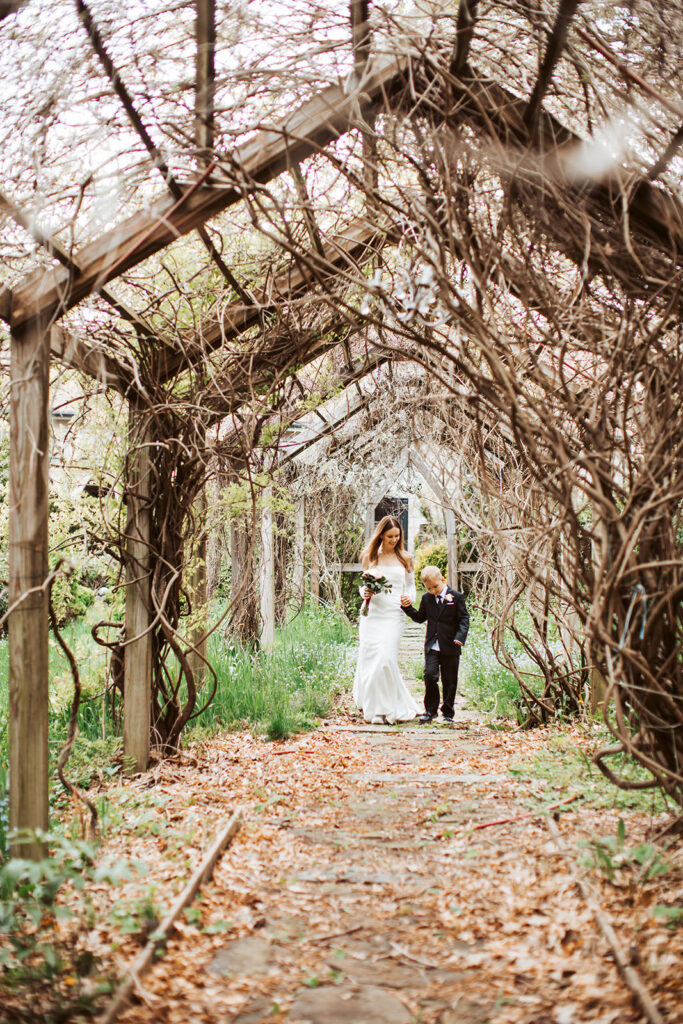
x: 369, y: 554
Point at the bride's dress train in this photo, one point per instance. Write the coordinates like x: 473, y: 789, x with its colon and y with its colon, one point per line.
x: 378, y: 689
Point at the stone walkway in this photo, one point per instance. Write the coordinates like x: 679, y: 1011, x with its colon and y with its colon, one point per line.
x: 376, y: 869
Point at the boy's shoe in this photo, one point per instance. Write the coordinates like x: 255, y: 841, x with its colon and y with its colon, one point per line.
x: 448, y: 720
x: 425, y: 717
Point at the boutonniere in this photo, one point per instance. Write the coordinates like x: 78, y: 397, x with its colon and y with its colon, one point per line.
x: 449, y: 599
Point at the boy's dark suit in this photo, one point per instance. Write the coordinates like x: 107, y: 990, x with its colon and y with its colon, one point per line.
x: 447, y: 621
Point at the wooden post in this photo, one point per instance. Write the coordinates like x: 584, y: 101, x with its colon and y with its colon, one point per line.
x: 315, y: 558
x: 452, y: 547
x: 138, y: 649
x: 568, y: 619
x: 597, y: 682
x: 197, y: 589
x: 369, y: 522
x: 205, y: 78
x: 267, y: 572
x: 300, y: 552
x: 28, y: 568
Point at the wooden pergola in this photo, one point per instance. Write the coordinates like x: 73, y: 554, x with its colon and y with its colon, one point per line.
x: 627, y: 211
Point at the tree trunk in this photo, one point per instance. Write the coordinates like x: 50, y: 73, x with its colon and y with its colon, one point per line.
x: 244, y: 614
x: 281, y: 547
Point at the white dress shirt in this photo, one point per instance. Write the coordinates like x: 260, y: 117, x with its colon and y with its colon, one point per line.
x: 439, y: 600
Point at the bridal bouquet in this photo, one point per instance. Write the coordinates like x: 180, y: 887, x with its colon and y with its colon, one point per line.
x: 377, y: 584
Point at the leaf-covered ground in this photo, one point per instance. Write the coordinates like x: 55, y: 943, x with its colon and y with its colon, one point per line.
x: 363, y: 887
x: 359, y: 889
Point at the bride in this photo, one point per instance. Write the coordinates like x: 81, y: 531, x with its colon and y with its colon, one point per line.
x: 378, y: 689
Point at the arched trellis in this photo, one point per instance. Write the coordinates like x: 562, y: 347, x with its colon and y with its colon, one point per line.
x: 403, y: 83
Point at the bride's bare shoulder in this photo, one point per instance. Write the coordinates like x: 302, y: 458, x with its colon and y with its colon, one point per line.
x: 365, y: 562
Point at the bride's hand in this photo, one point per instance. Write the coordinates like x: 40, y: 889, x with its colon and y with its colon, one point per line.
x: 367, y: 594
x: 405, y: 601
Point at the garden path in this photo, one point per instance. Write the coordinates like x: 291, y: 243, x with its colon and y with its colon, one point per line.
x: 363, y: 887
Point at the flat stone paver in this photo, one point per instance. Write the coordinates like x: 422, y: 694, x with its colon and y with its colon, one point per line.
x: 341, y: 1005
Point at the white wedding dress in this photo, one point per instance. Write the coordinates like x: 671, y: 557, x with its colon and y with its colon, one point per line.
x: 378, y: 689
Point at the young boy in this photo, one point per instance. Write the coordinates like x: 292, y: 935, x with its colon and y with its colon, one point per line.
x: 444, y: 611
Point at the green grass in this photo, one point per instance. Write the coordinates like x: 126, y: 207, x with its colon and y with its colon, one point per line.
x: 564, y: 766
x: 488, y: 685
x: 285, y: 689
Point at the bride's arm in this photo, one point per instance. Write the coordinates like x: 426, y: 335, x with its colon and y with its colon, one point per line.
x: 409, y: 585
x: 365, y: 568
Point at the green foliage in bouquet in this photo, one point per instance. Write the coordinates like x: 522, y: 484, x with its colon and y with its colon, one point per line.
x: 377, y: 584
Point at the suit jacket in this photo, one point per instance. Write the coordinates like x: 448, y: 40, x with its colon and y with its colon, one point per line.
x: 446, y: 622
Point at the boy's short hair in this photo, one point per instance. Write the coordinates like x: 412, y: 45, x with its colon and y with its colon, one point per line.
x: 430, y: 571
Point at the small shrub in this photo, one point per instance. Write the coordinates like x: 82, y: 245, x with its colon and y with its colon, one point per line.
x: 38, y: 957
x: 351, y: 599
x: 432, y: 554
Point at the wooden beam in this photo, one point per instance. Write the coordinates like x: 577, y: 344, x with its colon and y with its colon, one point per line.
x: 369, y: 523
x: 317, y: 122
x: 28, y: 570
x: 352, y: 410
x: 138, y: 649
x: 655, y: 216
x: 361, y: 38
x: 155, y: 153
x: 71, y: 350
x: 314, y: 534
x: 59, y: 252
x: 451, y: 547
x: 345, y: 249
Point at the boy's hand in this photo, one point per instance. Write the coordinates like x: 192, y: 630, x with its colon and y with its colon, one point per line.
x: 405, y: 601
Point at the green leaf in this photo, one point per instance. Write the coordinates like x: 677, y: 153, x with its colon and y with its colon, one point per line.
x: 669, y: 915
x: 217, y: 927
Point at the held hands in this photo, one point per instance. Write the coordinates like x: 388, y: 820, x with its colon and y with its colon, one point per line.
x: 405, y: 600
